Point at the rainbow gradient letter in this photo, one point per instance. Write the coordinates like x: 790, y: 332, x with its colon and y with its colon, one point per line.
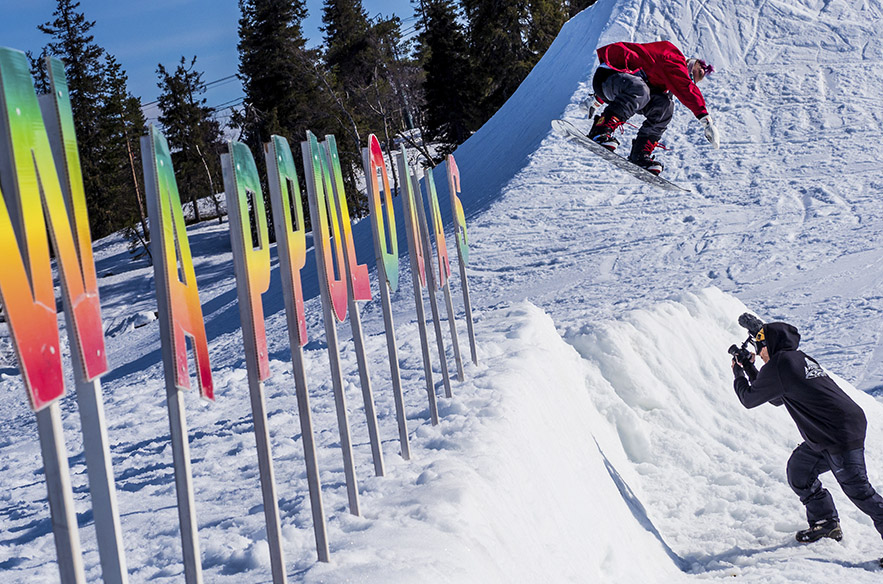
x: 444, y: 265
x: 168, y: 233
x: 383, y: 213
x: 29, y: 176
x: 252, y: 262
x: 459, y: 215
x: 288, y: 218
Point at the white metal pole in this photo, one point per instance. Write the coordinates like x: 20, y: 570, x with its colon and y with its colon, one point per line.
x: 395, y: 373
x: 328, y: 317
x: 61, y: 499
x: 412, y: 233
x: 102, y: 489
x: 183, y: 478
x: 460, y: 239
x: 453, y: 324
x: 467, y: 304
x: 378, y: 191
x: 439, y: 231
x: 268, y: 481
x: 337, y: 199
x: 309, y: 442
x: 278, y: 157
x: 248, y: 315
x: 365, y: 381
x: 174, y: 396
x: 431, y: 284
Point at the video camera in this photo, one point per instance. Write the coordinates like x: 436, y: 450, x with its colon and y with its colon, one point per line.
x: 753, y: 324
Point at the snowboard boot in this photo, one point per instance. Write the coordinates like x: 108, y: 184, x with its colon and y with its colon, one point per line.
x: 819, y: 529
x: 641, y: 155
x: 603, y: 129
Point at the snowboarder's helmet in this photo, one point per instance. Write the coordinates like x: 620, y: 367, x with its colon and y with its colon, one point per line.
x: 698, y: 69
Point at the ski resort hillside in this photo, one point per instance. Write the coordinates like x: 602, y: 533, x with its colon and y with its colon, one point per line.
x: 599, y: 439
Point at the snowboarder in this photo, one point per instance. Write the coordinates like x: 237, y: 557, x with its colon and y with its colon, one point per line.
x: 641, y: 78
x: 831, y: 424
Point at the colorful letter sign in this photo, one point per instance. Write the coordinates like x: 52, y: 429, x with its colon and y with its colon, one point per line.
x: 325, y: 224
x: 387, y: 257
x: 30, y: 181
x: 251, y: 258
x: 172, y: 256
x: 288, y: 219
x: 457, y: 208
x: 382, y: 213
x: 444, y: 265
x: 462, y: 246
x: 343, y: 228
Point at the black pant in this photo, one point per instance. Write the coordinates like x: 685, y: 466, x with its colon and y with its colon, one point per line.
x: 804, y: 468
x: 627, y: 95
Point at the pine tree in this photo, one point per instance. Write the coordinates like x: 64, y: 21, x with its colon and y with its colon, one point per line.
x: 83, y: 67
x: 352, y: 63
x: 498, y: 32
x: 449, y: 87
x: 351, y: 53
x: 39, y: 72
x: 576, y: 6
x: 193, y: 135
x: 282, y: 92
x: 121, y: 123
x: 107, y: 120
x: 281, y: 78
x: 546, y: 19
x: 396, y: 91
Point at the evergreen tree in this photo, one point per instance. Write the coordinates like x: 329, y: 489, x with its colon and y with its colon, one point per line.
x: 352, y: 60
x: 282, y: 92
x: 121, y: 123
x: 396, y: 91
x: 449, y: 86
x: 83, y: 66
x: 194, y: 136
x: 576, y: 6
x: 498, y: 31
x: 546, y: 19
x: 107, y: 119
x: 351, y: 54
x: 39, y: 73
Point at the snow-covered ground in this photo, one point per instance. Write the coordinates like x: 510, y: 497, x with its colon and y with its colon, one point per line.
x: 599, y: 439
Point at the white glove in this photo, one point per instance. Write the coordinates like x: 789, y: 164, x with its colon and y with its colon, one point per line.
x: 711, y: 133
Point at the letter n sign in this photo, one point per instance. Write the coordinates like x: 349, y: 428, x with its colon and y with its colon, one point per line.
x: 30, y: 182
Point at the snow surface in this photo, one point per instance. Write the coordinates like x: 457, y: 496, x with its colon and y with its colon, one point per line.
x: 599, y: 439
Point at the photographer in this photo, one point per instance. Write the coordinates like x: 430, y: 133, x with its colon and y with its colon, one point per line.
x: 831, y: 424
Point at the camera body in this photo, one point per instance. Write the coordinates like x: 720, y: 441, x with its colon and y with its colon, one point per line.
x: 741, y: 354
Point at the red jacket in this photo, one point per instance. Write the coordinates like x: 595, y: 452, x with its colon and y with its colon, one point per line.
x: 663, y: 65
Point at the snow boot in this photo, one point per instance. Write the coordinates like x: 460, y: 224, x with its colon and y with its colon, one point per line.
x: 602, y: 131
x: 642, y: 149
x: 819, y: 529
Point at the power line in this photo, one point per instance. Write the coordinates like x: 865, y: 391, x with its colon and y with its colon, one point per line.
x: 208, y: 85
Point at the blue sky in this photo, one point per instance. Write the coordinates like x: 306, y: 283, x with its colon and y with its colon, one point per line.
x: 144, y: 33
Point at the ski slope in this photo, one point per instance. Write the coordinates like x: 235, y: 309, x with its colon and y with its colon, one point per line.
x: 599, y: 439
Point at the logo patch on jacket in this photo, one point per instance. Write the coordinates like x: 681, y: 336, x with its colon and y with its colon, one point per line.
x: 814, y: 370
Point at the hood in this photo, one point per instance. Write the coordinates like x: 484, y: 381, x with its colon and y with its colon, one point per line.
x: 781, y: 336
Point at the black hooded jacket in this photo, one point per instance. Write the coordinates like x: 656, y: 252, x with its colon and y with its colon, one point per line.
x: 826, y: 417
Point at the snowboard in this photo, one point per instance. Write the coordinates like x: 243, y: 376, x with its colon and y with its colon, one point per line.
x: 572, y: 133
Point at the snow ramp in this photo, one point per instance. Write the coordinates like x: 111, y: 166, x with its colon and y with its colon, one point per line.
x: 617, y: 453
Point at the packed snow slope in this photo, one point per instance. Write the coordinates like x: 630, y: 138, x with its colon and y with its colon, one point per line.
x: 599, y: 439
